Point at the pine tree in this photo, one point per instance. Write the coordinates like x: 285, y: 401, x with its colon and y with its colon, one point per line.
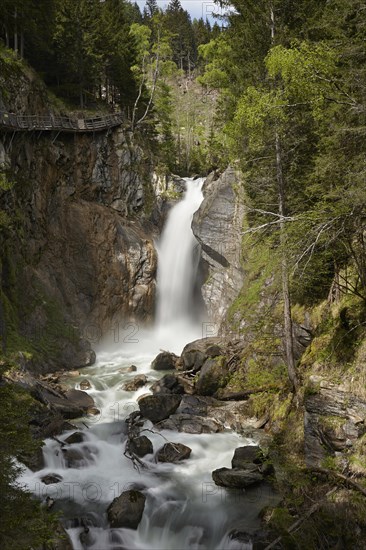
x: 151, y: 8
x: 178, y: 22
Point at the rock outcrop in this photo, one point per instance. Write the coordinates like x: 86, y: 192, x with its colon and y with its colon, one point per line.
x: 333, y: 422
x: 83, y: 246
x: 217, y: 226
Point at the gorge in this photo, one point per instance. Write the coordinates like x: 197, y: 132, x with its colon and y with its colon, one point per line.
x: 182, y: 276
x: 184, y: 508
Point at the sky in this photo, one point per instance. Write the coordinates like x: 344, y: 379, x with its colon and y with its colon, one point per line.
x: 196, y: 8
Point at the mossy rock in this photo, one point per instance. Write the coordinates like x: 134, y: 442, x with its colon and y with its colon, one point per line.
x: 213, y: 376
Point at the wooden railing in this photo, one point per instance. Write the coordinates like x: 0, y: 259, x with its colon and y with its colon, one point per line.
x: 12, y: 121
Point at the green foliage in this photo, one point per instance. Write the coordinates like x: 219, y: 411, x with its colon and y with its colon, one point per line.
x: 23, y: 523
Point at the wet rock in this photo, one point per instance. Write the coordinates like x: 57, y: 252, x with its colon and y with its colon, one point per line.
x: 126, y: 510
x: 85, y: 385
x: 191, y: 424
x: 73, y: 457
x: 212, y: 376
x: 46, y: 423
x: 173, y: 452
x: 34, y: 461
x: 247, y: 454
x: 159, y: 407
x: 168, y: 384
x: 232, y: 415
x: 141, y: 446
x: 259, y: 540
x: 72, y: 373
x: 72, y: 404
x: 187, y: 383
x: 85, y: 358
x: 240, y: 479
x: 50, y: 479
x: 196, y: 353
x: 164, y: 361
x: 86, y: 537
x: 136, y: 383
x: 195, y: 404
x: 93, y: 411
x: 124, y: 370
x: 61, y: 540
x: 76, y: 437
x: 79, y: 399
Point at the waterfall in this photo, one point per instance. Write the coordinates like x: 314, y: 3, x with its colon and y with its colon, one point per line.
x: 184, y: 508
x: 178, y: 259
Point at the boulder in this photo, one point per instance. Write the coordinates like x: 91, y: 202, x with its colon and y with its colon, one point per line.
x: 126, y: 510
x: 187, y: 383
x: 164, y: 361
x: 259, y: 540
x: 141, y: 446
x: 247, y: 454
x: 191, y: 424
x: 233, y: 415
x: 33, y: 461
x: 124, y: 370
x: 195, y: 353
x: 159, y: 407
x: 167, y: 384
x: 79, y: 399
x: 195, y: 404
x: 136, y: 383
x: 76, y: 437
x: 85, y: 384
x: 74, y: 458
x: 212, y: 376
x: 46, y: 423
x: 50, y: 479
x: 72, y: 373
x: 239, y: 479
x: 173, y: 452
x: 72, y: 404
x: 61, y: 539
x: 93, y: 411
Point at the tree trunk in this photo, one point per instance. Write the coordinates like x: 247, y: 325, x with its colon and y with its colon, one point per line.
x: 289, y: 343
x: 22, y: 44
x: 15, y: 31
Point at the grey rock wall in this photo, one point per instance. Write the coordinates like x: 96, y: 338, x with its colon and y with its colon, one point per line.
x: 217, y: 226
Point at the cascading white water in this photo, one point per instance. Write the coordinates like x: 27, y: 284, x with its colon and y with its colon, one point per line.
x: 177, y: 266
x: 184, y: 510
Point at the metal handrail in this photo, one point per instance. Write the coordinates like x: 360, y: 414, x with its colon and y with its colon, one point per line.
x: 12, y: 121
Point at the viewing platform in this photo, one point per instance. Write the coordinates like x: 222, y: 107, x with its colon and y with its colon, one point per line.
x: 25, y: 123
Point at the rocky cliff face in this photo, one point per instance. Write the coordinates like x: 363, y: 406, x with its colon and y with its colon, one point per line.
x: 81, y: 232
x: 334, y: 423
x: 217, y: 226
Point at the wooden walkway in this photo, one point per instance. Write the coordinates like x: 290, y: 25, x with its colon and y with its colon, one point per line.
x: 25, y: 123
